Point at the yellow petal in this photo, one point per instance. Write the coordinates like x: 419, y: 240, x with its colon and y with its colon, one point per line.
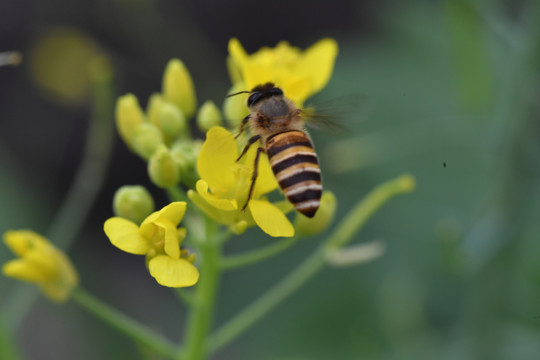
x: 221, y: 204
x: 172, y: 245
x: 296, y: 88
x: 318, y: 63
x: 174, y: 212
x: 237, y: 52
x: 270, y: 219
x: 220, y: 216
x: 234, y: 70
x: 173, y: 272
x: 20, y: 269
x: 125, y: 235
x: 217, y: 159
x: 22, y: 241
x: 266, y: 180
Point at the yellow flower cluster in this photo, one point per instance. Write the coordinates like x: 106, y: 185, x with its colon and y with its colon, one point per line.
x: 159, y: 135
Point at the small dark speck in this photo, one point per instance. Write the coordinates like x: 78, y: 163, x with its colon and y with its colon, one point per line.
x: 444, y: 164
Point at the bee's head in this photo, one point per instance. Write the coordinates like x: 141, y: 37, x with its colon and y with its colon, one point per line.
x: 261, y: 92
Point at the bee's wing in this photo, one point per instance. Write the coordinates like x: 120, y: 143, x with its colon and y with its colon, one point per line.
x: 334, y: 114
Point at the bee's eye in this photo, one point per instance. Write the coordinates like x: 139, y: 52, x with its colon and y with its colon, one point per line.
x: 253, y: 98
x: 276, y: 91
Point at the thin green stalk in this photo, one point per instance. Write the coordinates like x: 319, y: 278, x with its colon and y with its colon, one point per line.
x: 201, y: 314
x: 8, y: 346
x: 86, y: 184
x: 254, y: 256
x: 124, y: 324
x: 177, y: 194
x: 365, y: 209
x: 344, y: 233
x: 186, y: 296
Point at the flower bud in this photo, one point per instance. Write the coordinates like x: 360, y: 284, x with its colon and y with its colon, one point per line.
x: 208, y: 116
x: 162, y: 168
x: 235, y: 107
x: 129, y: 116
x: 146, y: 138
x: 238, y: 227
x: 154, y: 107
x: 171, y: 120
x: 185, y: 154
x: 178, y: 87
x: 325, y: 214
x: 133, y: 202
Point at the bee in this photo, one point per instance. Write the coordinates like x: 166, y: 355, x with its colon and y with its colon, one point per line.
x: 278, y: 125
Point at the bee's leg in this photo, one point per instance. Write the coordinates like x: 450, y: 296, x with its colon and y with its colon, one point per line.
x: 250, y: 141
x: 242, y: 126
x: 254, y: 176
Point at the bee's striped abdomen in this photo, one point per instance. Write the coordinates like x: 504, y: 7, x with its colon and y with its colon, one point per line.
x: 296, y: 168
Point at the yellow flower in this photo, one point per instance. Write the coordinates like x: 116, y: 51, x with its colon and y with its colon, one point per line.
x: 299, y: 74
x: 159, y: 239
x: 40, y: 263
x: 224, y: 186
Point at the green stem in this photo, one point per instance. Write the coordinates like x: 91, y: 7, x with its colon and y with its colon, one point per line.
x: 313, y: 263
x: 84, y: 188
x: 365, y: 209
x: 124, y: 324
x: 202, y: 312
x: 254, y: 256
x: 186, y: 296
x: 8, y: 346
x: 176, y: 194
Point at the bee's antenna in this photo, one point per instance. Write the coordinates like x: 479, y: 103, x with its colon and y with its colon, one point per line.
x: 240, y: 92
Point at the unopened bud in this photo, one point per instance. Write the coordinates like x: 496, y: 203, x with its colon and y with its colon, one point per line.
x: 162, y: 168
x: 238, y: 227
x: 235, y: 107
x: 171, y: 120
x: 208, y: 116
x: 178, y: 87
x: 146, y: 138
x: 185, y: 154
x: 133, y: 202
x: 129, y: 116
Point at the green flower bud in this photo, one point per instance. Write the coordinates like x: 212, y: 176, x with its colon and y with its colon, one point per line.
x: 154, y: 108
x: 235, y: 107
x: 178, y: 87
x: 171, y: 120
x: 325, y: 214
x: 238, y: 227
x: 208, y: 116
x: 146, y: 138
x: 129, y: 116
x: 133, y: 202
x: 185, y: 154
x: 166, y: 116
x: 162, y: 168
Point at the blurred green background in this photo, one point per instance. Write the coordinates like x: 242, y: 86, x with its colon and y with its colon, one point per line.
x: 450, y: 92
